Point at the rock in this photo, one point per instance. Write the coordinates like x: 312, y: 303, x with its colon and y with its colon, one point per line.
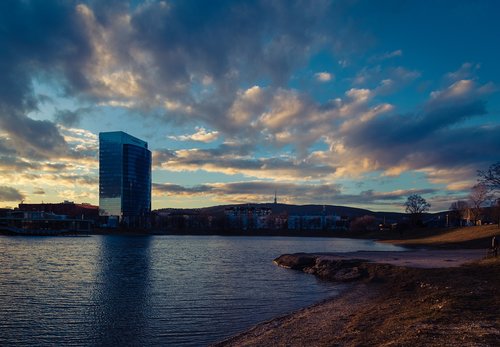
x: 310, y: 270
x: 298, y: 261
x: 348, y: 274
x: 340, y: 270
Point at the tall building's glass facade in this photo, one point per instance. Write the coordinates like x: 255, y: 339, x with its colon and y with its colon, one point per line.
x: 124, y: 178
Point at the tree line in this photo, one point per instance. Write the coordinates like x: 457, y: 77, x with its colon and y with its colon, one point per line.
x: 472, y: 210
x: 482, y: 195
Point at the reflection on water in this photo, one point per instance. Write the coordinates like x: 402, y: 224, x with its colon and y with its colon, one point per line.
x: 157, y: 290
x: 121, y: 291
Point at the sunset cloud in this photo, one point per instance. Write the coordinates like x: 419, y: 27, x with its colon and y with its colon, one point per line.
x: 10, y: 194
x: 201, y: 135
x: 323, y: 76
x: 241, y: 91
x: 230, y: 160
x: 252, y: 191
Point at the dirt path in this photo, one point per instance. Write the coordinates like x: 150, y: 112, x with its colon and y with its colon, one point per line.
x: 415, y: 258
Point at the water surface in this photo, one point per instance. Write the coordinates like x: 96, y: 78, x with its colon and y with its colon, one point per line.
x: 151, y: 290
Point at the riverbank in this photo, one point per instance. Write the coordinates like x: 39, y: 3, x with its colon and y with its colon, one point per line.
x: 411, y: 301
x: 463, y: 237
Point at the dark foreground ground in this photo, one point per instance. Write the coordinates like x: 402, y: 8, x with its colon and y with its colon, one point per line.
x: 397, y: 306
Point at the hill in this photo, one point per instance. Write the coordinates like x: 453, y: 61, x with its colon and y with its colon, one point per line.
x: 350, y: 212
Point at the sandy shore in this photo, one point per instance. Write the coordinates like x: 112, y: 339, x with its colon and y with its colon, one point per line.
x: 408, y: 298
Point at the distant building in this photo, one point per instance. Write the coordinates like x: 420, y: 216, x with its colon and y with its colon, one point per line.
x: 4, y: 212
x: 124, y: 179
x: 181, y: 220
x: 67, y: 208
x: 35, y: 222
x: 248, y: 217
x: 315, y: 222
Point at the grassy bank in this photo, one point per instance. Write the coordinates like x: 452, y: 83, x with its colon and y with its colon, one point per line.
x: 464, y: 237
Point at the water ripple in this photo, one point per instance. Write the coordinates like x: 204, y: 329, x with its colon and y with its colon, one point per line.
x: 159, y: 290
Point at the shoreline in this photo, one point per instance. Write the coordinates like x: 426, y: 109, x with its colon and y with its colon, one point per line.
x: 289, y: 328
x: 433, y: 238
x: 285, y: 233
x: 389, y: 304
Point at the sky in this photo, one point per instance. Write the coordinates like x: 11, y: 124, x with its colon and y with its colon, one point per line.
x: 355, y: 103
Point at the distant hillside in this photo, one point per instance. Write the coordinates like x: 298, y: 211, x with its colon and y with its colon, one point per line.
x: 350, y: 212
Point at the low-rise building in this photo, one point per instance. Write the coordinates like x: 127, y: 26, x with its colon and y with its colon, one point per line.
x: 248, y: 217
x: 67, y: 208
x: 42, y: 223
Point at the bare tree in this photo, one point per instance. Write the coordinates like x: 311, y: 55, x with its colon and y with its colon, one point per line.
x: 459, y: 211
x: 416, y: 205
x: 491, y: 177
x: 478, y: 196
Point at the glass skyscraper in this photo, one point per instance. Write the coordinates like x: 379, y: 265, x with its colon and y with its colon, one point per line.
x: 124, y: 179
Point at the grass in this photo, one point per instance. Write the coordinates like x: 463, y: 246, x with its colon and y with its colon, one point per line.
x: 463, y: 237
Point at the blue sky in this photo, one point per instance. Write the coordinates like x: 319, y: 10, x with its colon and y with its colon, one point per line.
x: 357, y: 103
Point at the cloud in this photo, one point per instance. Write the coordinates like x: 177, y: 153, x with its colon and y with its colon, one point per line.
x: 459, y: 179
x: 207, y: 59
x: 465, y: 72
x: 71, y: 179
x: 70, y: 118
x: 344, y: 63
x: 37, y: 37
x: 201, y: 135
x: 384, y: 80
x: 83, y: 145
x: 245, y: 110
x: 234, y: 159
x: 238, y: 28
x: 396, y: 53
x: 362, y: 135
x: 387, y: 55
x: 162, y: 156
x: 76, y: 168
x: 154, y: 55
x: 39, y: 191
x: 13, y: 164
x: 75, y: 195
x: 257, y: 191
x: 294, y: 193
x: 435, y: 137
x: 33, y: 138
x: 323, y: 76
x: 276, y: 117
x: 226, y: 68
x: 10, y: 194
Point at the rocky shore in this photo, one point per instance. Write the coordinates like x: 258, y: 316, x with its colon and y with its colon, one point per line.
x: 391, y: 301
x: 329, y: 267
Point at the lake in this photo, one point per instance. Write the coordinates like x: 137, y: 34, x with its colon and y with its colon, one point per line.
x: 152, y: 290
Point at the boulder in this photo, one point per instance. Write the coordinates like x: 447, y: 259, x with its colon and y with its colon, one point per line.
x: 298, y: 261
x: 339, y: 270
